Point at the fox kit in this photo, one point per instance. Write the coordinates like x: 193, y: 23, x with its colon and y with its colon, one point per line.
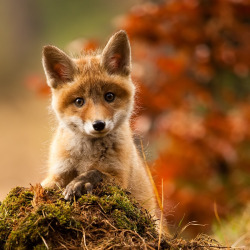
x: 93, y: 98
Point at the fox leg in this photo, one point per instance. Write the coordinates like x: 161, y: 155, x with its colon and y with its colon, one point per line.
x: 49, y: 182
x: 59, y: 180
x: 83, y: 184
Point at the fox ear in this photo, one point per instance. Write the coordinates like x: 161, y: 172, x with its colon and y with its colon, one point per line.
x: 116, y: 56
x: 58, y: 67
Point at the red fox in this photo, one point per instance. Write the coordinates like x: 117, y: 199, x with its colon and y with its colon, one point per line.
x: 93, y: 99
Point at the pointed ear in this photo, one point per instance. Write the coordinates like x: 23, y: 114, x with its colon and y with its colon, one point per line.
x: 58, y: 67
x: 116, y: 56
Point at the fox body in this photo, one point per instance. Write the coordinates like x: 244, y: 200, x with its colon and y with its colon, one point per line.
x: 93, y: 98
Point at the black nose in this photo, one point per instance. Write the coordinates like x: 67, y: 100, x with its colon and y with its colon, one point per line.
x: 99, y: 125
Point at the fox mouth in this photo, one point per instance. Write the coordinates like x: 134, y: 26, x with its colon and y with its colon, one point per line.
x: 98, y: 133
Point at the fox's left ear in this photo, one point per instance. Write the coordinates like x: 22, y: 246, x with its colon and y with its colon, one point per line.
x: 116, y: 56
x: 59, y: 67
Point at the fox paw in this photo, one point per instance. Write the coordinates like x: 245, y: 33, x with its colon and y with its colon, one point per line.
x: 83, y: 184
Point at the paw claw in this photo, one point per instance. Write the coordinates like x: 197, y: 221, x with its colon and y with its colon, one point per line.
x: 82, y: 184
x: 89, y: 188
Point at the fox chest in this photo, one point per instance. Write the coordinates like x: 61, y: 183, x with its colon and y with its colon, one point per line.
x: 95, y: 154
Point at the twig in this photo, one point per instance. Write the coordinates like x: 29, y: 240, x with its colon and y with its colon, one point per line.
x: 216, y: 213
x: 219, y: 222
x: 161, y: 221
x: 84, y: 239
x: 135, y: 233
x: 240, y: 239
x: 101, y: 207
x: 191, y: 223
x: 151, y: 178
x: 45, y: 243
x: 63, y: 245
x: 178, y: 229
x: 111, y: 224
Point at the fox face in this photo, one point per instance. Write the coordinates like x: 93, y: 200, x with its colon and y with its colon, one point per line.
x: 92, y: 95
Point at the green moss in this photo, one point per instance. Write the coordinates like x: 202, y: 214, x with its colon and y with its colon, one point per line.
x: 23, y: 223
x: 87, y: 199
x: 109, y: 218
x: 122, y: 221
x: 5, y: 229
x: 18, y: 198
x: 40, y: 247
x: 124, y: 210
x: 32, y: 228
x: 15, y: 206
x: 28, y: 217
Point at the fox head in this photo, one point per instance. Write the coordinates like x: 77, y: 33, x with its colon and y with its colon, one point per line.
x: 92, y: 94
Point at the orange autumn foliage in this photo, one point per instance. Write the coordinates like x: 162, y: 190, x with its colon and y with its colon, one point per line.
x: 192, y: 68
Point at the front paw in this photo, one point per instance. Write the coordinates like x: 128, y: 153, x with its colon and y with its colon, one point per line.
x: 83, y: 184
x: 50, y: 182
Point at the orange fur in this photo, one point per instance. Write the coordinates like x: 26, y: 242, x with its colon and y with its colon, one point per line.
x: 77, y: 147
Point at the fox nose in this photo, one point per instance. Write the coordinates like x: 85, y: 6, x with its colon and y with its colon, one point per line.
x: 98, y: 125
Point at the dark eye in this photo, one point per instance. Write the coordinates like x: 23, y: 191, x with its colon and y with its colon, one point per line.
x: 109, y: 97
x: 79, y: 102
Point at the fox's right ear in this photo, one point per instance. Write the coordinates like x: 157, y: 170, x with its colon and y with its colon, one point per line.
x: 58, y: 67
x: 116, y: 56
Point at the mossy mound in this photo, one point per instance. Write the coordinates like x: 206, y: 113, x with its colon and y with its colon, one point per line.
x: 38, y: 218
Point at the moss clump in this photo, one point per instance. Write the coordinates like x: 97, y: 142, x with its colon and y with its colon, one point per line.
x: 124, y: 210
x: 18, y: 197
x: 38, y: 218
x: 34, y: 227
x: 27, y: 216
x: 16, y: 205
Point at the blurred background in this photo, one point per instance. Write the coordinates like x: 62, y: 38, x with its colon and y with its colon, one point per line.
x: 191, y: 62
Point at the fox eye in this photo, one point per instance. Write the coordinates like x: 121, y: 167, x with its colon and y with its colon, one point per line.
x: 79, y: 102
x: 109, y: 97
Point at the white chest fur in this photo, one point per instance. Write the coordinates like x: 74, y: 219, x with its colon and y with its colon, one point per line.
x: 97, y: 153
